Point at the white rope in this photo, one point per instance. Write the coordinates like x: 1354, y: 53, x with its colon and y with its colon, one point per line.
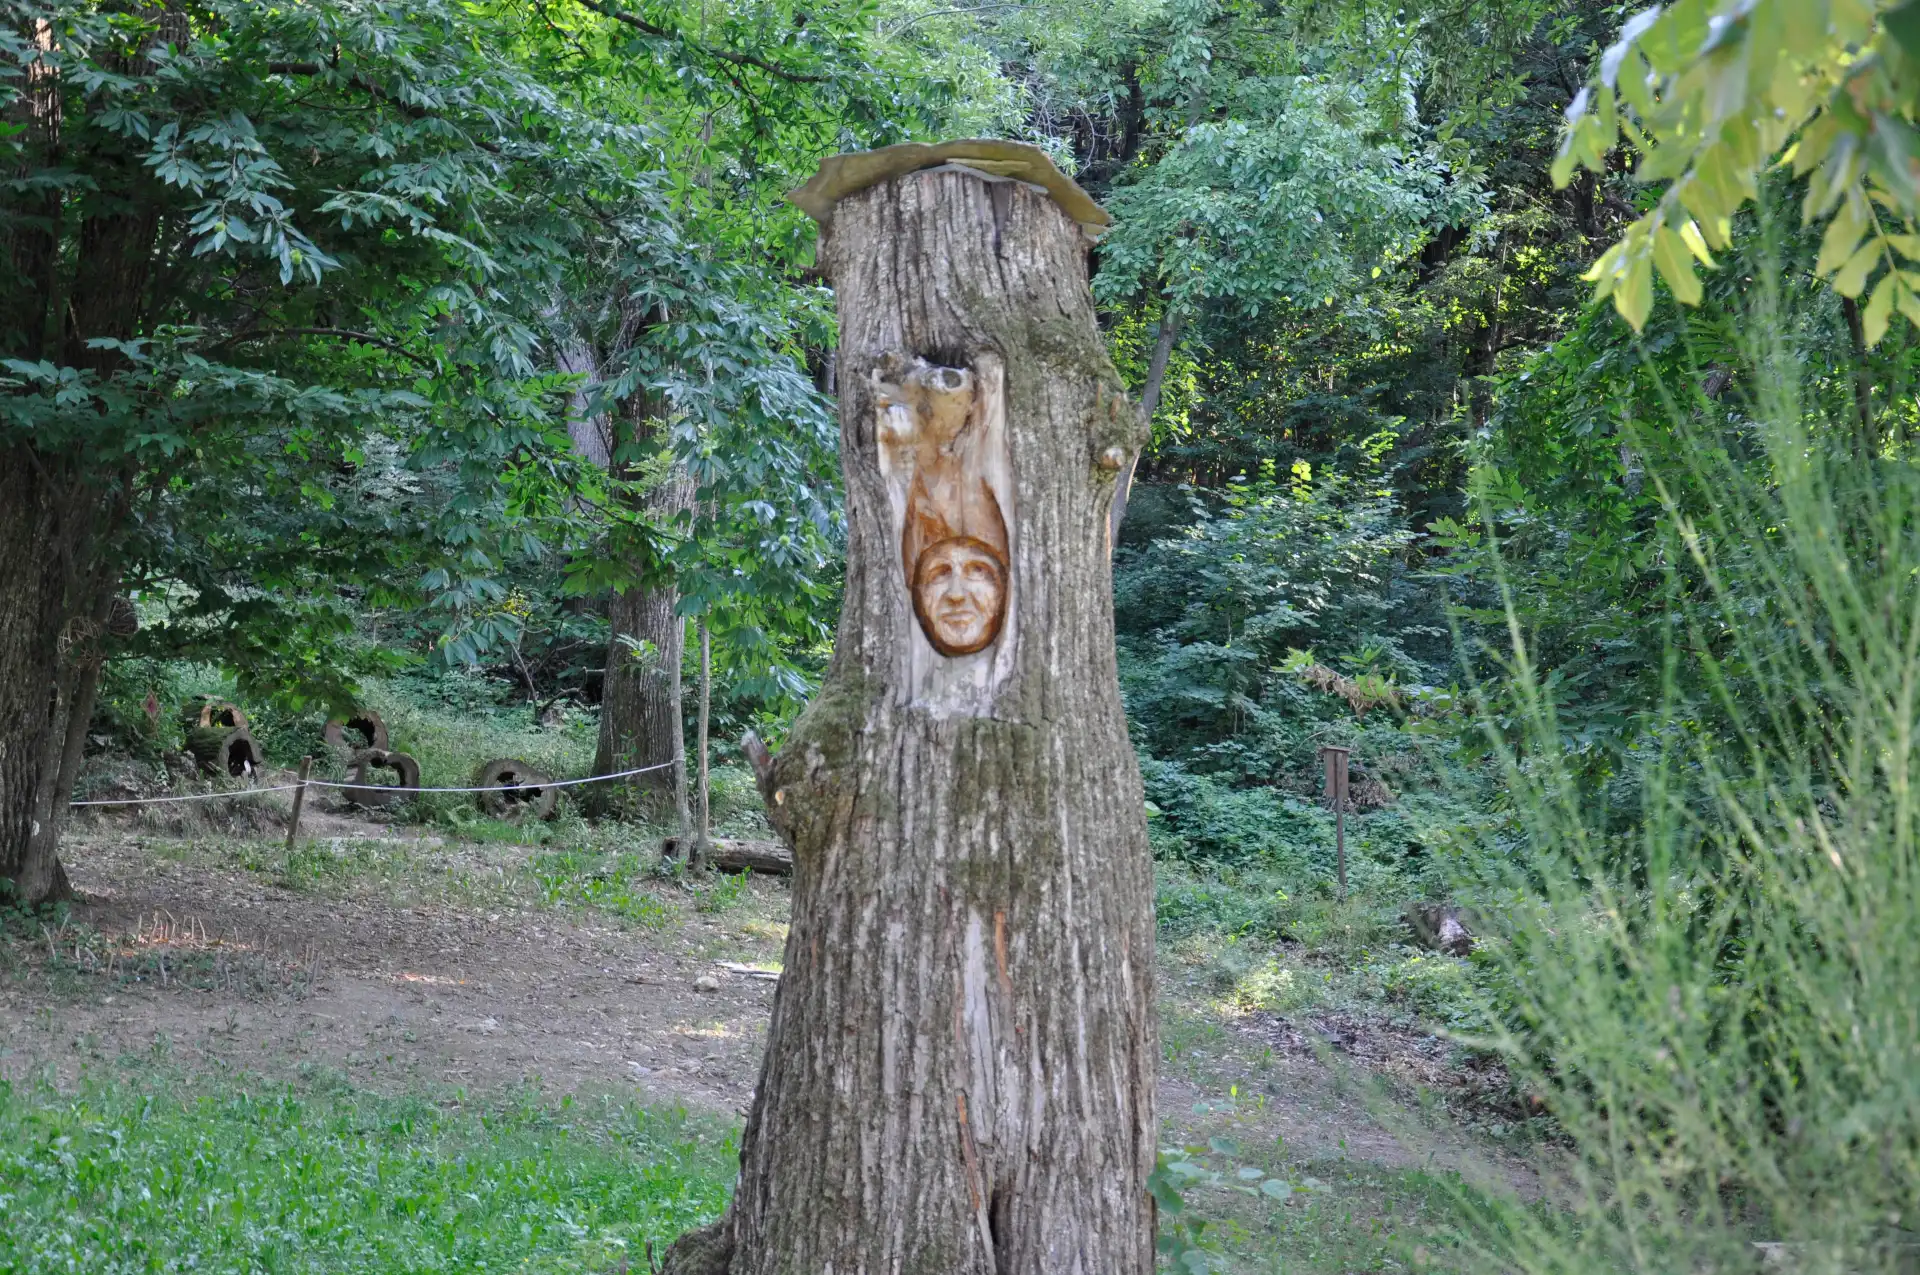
x: 326, y: 783
x: 552, y: 783
x: 192, y: 796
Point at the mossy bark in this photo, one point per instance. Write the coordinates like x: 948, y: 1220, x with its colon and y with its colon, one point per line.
x: 960, y: 1067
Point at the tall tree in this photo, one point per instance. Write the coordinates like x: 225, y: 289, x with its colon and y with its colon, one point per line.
x: 959, y: 1072
x: 249, y: 240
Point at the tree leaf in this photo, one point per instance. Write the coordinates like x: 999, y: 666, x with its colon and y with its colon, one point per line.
x: 1879, y: 310
x: 1676, y: 266
x: 1853, y: 276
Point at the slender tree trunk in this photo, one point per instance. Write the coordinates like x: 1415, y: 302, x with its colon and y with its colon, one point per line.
x: 641, y: 719
x: 1869, y: 444
x: 1149, y: 401
x: 31, y: 235
x: 959, y: 1074
x: 1171, y: 320
x: 702, y: 839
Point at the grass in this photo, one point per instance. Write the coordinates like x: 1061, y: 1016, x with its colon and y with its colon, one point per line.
x: 163, y: 1173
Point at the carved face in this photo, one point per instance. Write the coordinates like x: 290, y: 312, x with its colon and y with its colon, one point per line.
x: 960, y: 594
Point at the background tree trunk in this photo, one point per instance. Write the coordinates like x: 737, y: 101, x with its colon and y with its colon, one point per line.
x: 960, y: 1068
x: 641, y: 718
x: 703, y: 806
x: 45, y: 522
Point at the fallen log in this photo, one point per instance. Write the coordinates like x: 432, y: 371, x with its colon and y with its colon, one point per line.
x: 726, y: 855
x: 359, y: 730
x: 520, y: 790
x: 366, y: 791
x: 225, y: 750
x: 207, y: 711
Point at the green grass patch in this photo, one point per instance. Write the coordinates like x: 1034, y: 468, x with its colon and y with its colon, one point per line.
x: 623, y: 884
x: 198, y: 1176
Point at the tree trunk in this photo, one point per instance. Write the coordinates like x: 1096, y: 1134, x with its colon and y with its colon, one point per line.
x: 960, y: 1068
x: 46, y: 522
x: 1149, y: 400
x: 31, y: 228
x: 702, y: 840
x: 1869, y: 439
x: 641, y: 718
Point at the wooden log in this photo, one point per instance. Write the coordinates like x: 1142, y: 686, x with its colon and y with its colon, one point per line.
x: 367, y: 790
x: 203, y: 711
x: 770, y: 857
x: 225, y: 750
x: 522, y: 790
x: 358, y: 731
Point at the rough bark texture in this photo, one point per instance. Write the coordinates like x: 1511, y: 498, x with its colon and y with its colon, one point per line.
x: 45, y: 642
x: 641, y: 713
x: 960, y: 1067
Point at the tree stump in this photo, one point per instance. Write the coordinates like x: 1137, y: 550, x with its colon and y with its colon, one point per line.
x: 960, y: 1067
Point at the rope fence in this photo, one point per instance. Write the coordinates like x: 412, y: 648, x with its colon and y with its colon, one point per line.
x: 327, y: 783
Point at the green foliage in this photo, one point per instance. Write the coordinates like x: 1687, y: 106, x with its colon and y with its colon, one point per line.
x: 1209, y: 613
x: 1710, y: 94
x: 166, y: 1174
x: 1290, y: 199
x: 1714, y: 994
x: 726, y: 893
x: 1184, y: 1239
x: 613, y: 883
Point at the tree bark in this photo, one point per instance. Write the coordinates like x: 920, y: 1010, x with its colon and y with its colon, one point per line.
x: 959, y: 1075
x: 48, y: 590
x: 702, y: 838
x: 642, y: 722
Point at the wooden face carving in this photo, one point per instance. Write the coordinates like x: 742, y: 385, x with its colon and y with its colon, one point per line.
x: 942, y: 441
x: 959, y: 594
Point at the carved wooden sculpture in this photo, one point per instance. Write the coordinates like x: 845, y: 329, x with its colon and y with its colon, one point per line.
x: 943, y: 450
x: 960, y: 1068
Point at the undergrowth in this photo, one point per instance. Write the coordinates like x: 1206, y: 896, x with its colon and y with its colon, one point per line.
x: 149, y: 1173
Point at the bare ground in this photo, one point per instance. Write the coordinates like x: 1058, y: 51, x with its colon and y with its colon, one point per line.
x: 433, y: 969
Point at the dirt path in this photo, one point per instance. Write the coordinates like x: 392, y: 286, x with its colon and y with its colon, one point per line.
x: 402, y: 981
x: 226, y: 970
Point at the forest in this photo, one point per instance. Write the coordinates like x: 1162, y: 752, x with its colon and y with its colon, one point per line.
x: 969, y: 637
